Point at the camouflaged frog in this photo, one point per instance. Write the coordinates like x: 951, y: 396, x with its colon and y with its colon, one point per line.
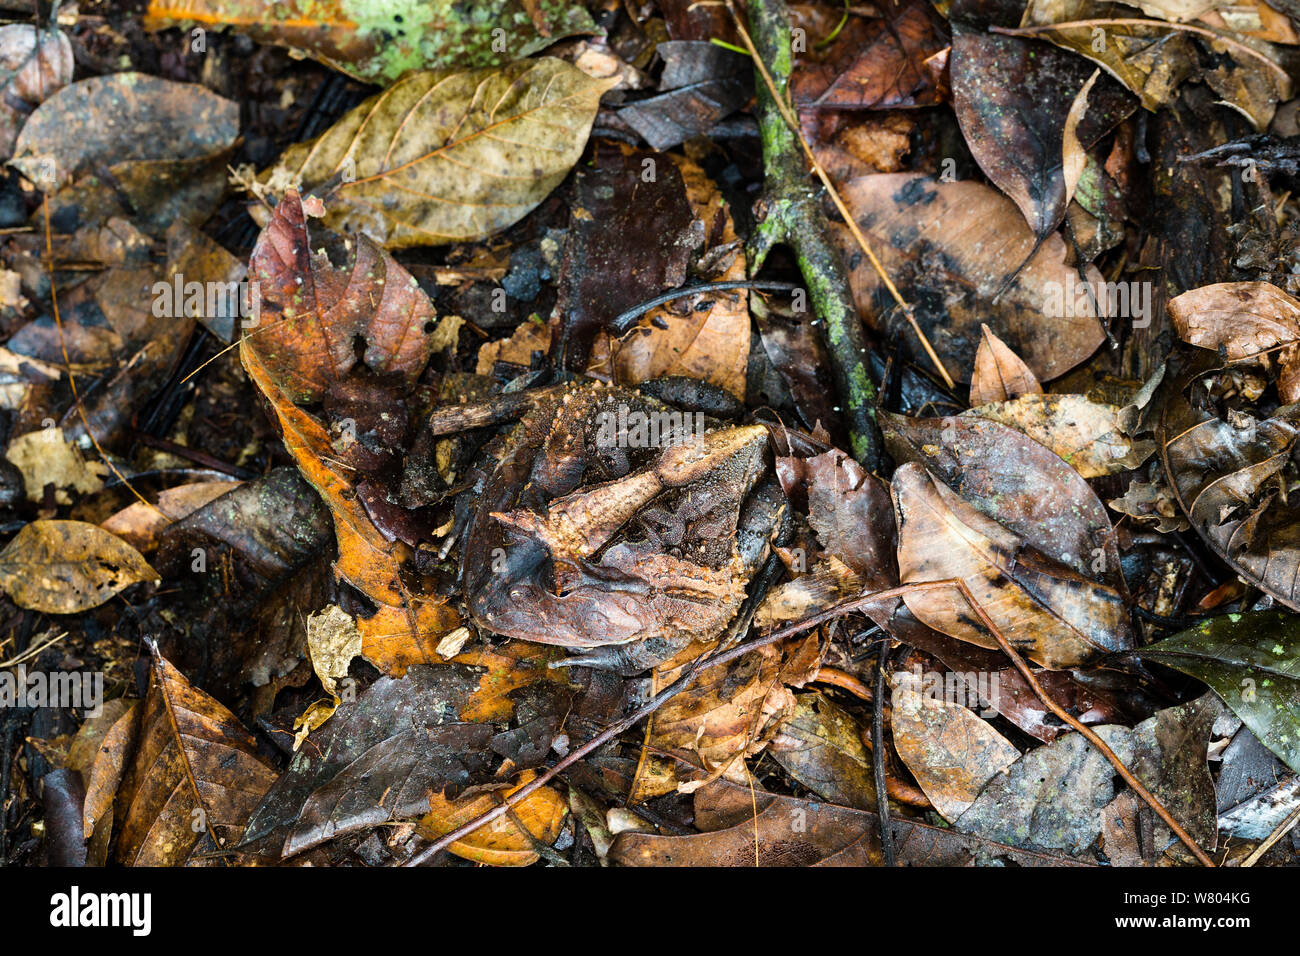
x: 612, y: 524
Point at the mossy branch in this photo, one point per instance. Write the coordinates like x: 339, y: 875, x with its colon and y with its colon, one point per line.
x: 790, y: 215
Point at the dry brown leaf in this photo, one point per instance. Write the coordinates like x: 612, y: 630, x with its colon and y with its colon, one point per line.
x: 103, y: 772
x: 195, y: 772
x: 820, y: 745
x: 65, y: 567
x: 1000, y: 374
x: 1073, y: 155
x: 949, y: 248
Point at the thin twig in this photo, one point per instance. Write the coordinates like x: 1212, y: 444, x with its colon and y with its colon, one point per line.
x: 878, y: 756
x: 1281, y: 830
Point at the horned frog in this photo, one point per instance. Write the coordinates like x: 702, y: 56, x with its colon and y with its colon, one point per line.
x: 623, y: 554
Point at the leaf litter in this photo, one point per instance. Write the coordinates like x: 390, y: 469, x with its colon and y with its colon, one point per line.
x: 534, y: 469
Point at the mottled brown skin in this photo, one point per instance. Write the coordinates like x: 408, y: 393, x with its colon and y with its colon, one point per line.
x: 625, y: 553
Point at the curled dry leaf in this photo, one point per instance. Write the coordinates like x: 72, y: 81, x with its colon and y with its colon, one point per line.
x: 1000, y: 374
x: 65, y: 567
x: 448, y: 156
x: 379, y: 42
x: 951, y: 752
x: 194, y: 764
x: 949, y: 248
x: 1051, y: 612
x: 35, y: 64
x: 1243, y: 320
x: 1086, y: 434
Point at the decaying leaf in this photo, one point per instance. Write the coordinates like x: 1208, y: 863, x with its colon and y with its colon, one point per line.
x: 1086, y: 434
x: 448, y: 156
x: 46, y: 457
x: 378, y: 43
x: 166, y: 147
x: 1014, y: 101
x: 951, y: 752
x: 894, y: 61
x: 35, y: 63
x: 64, y: 567
x: 1227, y: 474
x: 139, y: 524
x: 1152, y: 59
x: 1053, y: 797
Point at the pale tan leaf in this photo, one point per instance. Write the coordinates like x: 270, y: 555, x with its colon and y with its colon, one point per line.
x: 1000, y: 373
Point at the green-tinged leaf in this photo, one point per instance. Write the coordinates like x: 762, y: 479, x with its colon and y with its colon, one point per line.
x: 378, y: 40
x: 1252, y: 661
x: 446, y: 157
